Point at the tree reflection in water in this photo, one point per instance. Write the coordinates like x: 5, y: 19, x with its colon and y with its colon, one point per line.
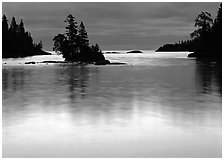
x: 75, y: 78
x: 208, y: 77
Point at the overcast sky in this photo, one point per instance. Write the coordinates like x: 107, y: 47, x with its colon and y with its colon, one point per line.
x: 113, y: 25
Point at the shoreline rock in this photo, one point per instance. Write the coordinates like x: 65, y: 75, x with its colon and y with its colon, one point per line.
x: 112, y: 52
x: 204, y: 56
x: 104, y: 62
x: 32, y: 62
x: 135, y: 51
x: 192, y: 55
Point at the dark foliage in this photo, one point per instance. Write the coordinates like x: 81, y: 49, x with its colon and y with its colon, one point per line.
x: 74, y: 44
x: 16, y: 42
x: 188, y: 45
x: 206, y: 40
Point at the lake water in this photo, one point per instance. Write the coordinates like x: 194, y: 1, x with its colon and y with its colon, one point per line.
x: 157, y: 105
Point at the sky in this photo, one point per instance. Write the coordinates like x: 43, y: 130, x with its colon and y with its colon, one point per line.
x: 113, y: 25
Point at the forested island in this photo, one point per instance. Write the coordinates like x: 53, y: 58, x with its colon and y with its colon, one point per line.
x: 17, y: 42
x: 74, y: 44
x: 206, y: 40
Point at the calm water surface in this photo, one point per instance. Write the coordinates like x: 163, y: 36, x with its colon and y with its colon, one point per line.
x: 158, y: 105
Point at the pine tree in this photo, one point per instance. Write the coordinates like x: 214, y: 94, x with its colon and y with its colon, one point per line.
x: 83, y: 37
x: 13, y: 25
x: 4, y: 24
x: 21, y: 28
x: 217, y: 34
x: 5, y: 36
x: 218, y: 19
x: 16, y: 42
x: 40, y: 44
x: 71, y: 29
x: 204, y: 23
x: 74, y: 44
x: 71, y: 35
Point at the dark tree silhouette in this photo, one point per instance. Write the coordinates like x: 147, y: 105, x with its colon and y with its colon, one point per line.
x: 71, y: 28
x: 5, y: 26
x: 71, y: 34
x: 61, y: 45
x: 13, y: 25
x: 206, y: 40
x: 74, y: 44
x: 21, y: 28
x: 82, y: 34
x: 83, y: 43
x: 217, y: 34
x: 204, y: 23
x: 5, y: 36
x: 16, y: 42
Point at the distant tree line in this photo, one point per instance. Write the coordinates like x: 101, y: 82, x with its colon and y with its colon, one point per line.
x: 206, y: 40
x: 188, y: 45
x: 74, y: 44
x: 17, y: 42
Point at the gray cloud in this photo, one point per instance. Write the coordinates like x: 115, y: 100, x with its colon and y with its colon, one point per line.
x: 119, y: 25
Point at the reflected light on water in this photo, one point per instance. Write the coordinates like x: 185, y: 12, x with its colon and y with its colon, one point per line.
x: 167, y: 110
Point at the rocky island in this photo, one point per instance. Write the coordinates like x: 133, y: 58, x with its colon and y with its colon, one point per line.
x: 74, y: 45
x: 135, y: 51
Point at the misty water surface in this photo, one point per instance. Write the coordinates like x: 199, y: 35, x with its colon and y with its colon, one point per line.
x: 158, y: 105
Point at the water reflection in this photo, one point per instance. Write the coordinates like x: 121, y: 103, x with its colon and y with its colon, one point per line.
x: 13, y: 80
x: 76, y: 78
x: 209, y: 77
x: 115, y: 111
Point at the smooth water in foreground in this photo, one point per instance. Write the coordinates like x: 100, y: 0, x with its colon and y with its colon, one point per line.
x: 158, y: 105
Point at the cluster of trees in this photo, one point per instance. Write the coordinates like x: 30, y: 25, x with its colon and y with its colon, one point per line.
x: 74, y: 44
x: 187, y: 45
x: 16, y: 42
x: 206, y: 40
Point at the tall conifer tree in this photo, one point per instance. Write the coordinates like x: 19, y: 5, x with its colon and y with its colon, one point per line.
x: 83, y: 35
x: 4, y: 24
x: 13, y: 25
x: 21, y: 27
